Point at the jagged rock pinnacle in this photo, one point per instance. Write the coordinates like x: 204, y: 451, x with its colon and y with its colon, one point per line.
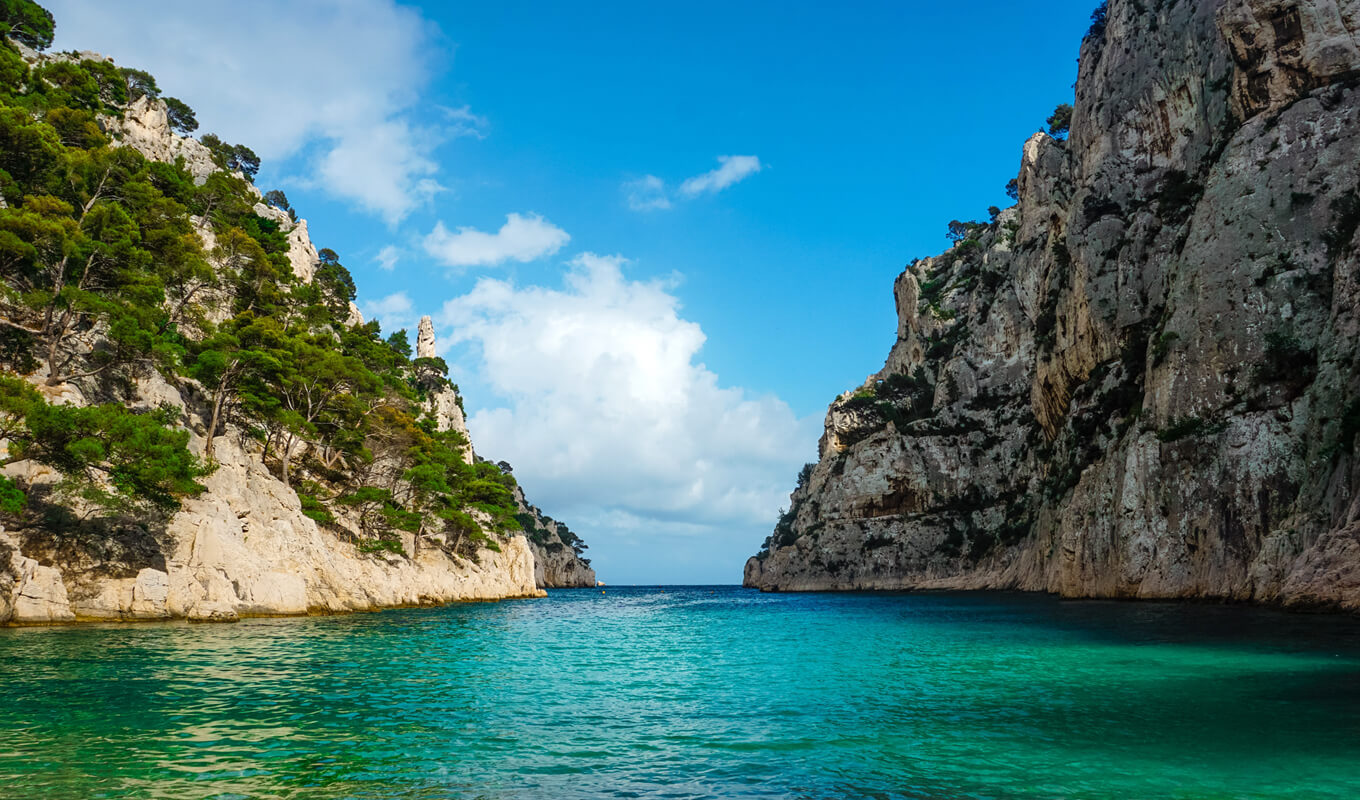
x: 425, y: 338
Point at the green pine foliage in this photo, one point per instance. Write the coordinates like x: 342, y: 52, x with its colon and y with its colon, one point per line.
x: 26, y: 22
x: 103, y: 278
x: 110, y: 457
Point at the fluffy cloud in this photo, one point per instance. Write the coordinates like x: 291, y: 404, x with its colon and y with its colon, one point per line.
x: 334, y: 82
x: 388, y: 257
x: 647, y: 193
x: 519, y: 239
x: 611, y: 421
x: 731, y: 169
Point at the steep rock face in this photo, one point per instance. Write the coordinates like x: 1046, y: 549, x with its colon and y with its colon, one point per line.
x: 145, y: 127
x: 558, y: 563
x: 245, y: 546
x: 445, y: 404
x: 1141, y: 381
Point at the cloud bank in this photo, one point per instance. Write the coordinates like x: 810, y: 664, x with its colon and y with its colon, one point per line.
x: 608, y: 417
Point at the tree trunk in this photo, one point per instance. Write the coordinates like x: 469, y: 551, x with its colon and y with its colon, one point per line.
x: 220, y: 406
x: 212, y: 426
x: 286, y: 459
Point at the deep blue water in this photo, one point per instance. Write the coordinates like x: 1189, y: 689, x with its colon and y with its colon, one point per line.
x: 694, y: 692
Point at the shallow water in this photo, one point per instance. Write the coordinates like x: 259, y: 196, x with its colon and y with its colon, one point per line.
x: 694, y: 692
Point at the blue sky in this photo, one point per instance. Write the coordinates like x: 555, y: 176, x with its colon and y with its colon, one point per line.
x: 656, y: 238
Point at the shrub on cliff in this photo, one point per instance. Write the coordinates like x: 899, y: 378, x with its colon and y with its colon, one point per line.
x: 104, y: 279
x: 182, y: 118
x: 1060, y: 121
x: 108, y: 456
x: 1098, y: 22
x: 28, y: 23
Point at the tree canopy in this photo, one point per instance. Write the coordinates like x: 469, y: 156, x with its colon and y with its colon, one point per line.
x: 28, y: 23
x: 182, y: 119
x: 105, y: 278
x: 1060, y: 121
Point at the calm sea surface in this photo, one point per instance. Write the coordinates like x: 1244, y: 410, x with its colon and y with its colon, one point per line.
x: 693, y: 692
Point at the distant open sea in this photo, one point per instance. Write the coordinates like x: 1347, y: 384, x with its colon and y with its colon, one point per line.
x: 679, y: 692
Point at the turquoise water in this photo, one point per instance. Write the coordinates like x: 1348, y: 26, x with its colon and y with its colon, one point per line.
x: 713, y: 692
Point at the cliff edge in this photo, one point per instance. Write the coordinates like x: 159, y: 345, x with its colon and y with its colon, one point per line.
x: 195, y: 420
x: 1142, y: 379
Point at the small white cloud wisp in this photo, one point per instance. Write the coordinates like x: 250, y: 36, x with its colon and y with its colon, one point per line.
x: 388, y: 257
x: 650, y: 193
x: 731, y: 169
x: 647, y: 193
x: 521, y: 238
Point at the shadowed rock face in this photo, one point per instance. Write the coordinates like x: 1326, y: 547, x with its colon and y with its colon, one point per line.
x: 1142, y: 380
x: 557, y: 564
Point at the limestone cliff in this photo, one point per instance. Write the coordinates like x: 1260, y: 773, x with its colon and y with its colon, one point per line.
x: 249, y: 542
x: 558, y: 559
x: 558, y: 563
x: 1141, y: 380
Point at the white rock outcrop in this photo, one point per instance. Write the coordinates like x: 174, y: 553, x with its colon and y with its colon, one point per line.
x: 146, y: 128
x: 445, y: 405
x: 244, y: 547
x: 425, y: 339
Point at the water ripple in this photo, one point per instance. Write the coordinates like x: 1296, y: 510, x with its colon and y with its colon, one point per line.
x: 682, y: 693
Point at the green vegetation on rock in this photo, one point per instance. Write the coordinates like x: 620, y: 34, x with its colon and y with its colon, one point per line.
x: 105, y: 281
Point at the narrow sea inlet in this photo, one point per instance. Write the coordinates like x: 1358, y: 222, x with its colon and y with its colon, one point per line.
x: 694, y: 692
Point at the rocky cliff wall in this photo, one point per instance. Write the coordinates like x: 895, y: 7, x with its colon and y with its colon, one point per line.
x: 558, y: 563
x: 1142, y: 380
x: 245, y: 546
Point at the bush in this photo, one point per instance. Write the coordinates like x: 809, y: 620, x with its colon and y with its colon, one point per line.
x: 1162, y: 346
x: 1060, y: 121
x: 1188, y: 426
x: 313, y: 508
x: 182, y: 118
x: 382, y: 546
x: 1098, y: 22
x: 1286, y: 360
x: 139, y: 84
x: 28, y: 23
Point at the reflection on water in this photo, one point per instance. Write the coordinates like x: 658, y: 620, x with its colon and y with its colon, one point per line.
x: 712, y: 692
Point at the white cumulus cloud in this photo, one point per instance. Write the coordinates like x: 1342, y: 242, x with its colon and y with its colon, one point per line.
x: 731, y: 169
x: 334, y: 83
x: 521, y: 238
x: 610, y: 419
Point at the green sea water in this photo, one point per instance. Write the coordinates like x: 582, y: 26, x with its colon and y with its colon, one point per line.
x: 693, y: 692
